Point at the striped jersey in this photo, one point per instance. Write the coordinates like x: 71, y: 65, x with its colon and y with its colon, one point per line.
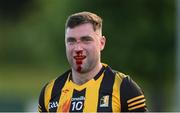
x: 108, y: 91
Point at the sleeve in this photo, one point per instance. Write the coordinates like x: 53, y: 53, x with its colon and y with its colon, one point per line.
x: 132, y: 97
x: 41, y: 105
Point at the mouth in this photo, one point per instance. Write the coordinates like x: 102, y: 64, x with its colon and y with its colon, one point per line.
x: 79, y: 59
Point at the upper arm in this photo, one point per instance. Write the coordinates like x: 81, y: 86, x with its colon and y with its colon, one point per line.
x: 132, y: 97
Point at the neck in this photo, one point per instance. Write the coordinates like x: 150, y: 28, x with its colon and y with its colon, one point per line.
x: 81, y: 78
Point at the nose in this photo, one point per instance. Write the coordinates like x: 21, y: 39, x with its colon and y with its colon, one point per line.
x: 78, y: 47
x: 79, y: 52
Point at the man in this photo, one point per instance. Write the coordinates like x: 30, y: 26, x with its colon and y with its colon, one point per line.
x: 89, y: 86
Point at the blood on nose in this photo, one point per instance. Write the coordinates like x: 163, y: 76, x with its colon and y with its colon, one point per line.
x: 79, y: 52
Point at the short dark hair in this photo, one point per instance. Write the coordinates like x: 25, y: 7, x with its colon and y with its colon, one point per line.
x: 82, y: 18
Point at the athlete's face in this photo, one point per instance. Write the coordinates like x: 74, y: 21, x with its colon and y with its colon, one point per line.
x: 83, y: 47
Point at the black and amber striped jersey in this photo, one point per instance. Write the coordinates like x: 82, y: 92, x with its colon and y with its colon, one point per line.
x: 108, y: 91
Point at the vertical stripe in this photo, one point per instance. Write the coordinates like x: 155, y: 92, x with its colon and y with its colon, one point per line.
x: 47, y: 94
x: 77, y: 101
x: 105, y: 91
x: 116, y: 105
x: 92, y: 93
x: 65, y: 98
x: 56, y: 91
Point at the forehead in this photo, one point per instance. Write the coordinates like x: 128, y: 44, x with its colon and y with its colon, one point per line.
x: 81, y: 30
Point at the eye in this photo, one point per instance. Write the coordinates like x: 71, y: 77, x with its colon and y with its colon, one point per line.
x: 86, y: 39
x: 71, y: 40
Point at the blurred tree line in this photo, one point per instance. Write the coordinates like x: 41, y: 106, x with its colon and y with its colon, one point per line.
x: 140, y: 39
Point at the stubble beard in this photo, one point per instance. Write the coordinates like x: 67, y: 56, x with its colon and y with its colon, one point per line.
x: 86, y: 66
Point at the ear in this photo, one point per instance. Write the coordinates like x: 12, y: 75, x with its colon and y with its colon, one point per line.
x: 102, y: 42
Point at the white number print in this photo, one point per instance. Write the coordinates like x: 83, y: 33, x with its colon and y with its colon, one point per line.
x: 77, y: 105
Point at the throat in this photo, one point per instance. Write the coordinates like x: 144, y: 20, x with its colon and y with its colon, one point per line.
x: 80, y: 79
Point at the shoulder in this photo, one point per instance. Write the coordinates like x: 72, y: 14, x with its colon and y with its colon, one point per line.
x: 113, y: 72
x: 132, y: 96
x: 57, y: 83
x: 63, y: 77
x: 50, y: 89
x: 129, y: 86
x: 59, y: 80
x: 120, y: 75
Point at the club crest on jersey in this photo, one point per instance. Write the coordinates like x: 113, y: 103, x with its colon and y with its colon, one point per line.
x: 104, y: 101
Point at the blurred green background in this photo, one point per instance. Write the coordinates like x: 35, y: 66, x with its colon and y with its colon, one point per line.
x: 140, y: 42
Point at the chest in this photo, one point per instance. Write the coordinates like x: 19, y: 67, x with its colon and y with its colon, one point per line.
x: 88, y: 99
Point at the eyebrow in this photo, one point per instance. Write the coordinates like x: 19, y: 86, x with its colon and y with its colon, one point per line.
x: 86, y: 38
x: 81, y: 38
x: 70, y: 39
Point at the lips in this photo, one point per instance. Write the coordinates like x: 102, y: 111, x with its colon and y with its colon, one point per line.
x: 79, y: 59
